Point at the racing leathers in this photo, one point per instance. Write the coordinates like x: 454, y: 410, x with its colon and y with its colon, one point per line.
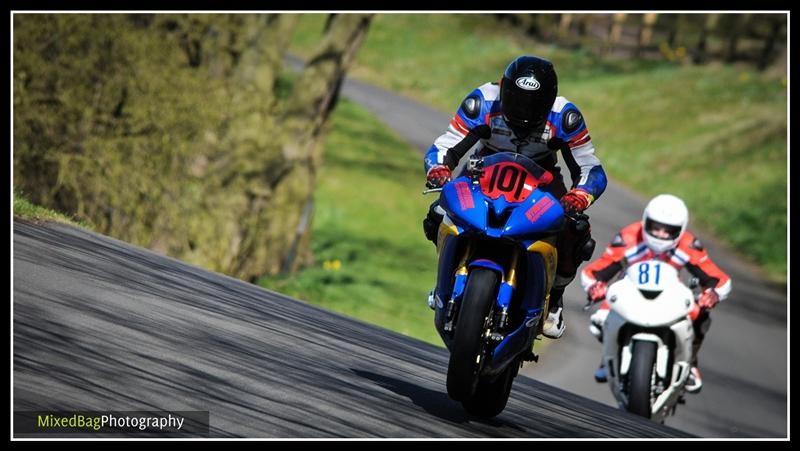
x: 629, y: 247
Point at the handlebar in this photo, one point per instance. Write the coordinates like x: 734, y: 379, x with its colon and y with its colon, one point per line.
x: 432, y: 190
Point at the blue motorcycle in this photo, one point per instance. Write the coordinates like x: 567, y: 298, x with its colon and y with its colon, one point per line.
x: 497, y: 262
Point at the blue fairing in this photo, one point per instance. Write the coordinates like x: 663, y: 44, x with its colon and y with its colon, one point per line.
x: 473, y: 214
x: 488, y: 264
x: 493, y: 208
x: 550, y: 219
x: 468, y: 217
x: 447, y: 265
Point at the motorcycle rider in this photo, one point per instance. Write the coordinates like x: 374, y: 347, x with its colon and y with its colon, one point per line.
x: 523, y: 113
x: 662, y: 235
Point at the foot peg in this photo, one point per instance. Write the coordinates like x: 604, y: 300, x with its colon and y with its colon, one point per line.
x: 531, y: 357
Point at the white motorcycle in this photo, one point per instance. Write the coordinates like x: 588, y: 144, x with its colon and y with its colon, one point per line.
x: 647, y: 339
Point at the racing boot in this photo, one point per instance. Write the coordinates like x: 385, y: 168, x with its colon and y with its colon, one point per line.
x: 554, y: 324
x: 694, y: 382
x: 600, y: 375
x: 432, y: 300
x: 430, y: 225
x: 596, y: 322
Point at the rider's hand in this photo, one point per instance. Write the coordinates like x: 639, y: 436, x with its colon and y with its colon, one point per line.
x: 708, y: 299
x: 437, y: 176
x: 575, y: 201
x: 597, y: 291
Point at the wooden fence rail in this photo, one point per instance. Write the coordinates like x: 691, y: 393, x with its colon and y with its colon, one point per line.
x: 758, y: 38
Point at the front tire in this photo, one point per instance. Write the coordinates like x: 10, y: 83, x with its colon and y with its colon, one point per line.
x: 490, y: 399
x: 640, y: 378
x: 469, y: 342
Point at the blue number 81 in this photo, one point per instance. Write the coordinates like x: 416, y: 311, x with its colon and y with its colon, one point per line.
x: 644, y: 273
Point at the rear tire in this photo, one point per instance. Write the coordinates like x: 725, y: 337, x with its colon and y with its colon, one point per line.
x: 469, y: 342
x: 640, y: 378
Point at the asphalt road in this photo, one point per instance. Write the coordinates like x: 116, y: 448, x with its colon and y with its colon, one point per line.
x: 744, y: 357
x: 100, y: 325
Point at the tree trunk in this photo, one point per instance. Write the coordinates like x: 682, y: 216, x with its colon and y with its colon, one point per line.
x: 314, y: 97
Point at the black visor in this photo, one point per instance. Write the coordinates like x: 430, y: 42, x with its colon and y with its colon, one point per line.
x: 523, y: 108
x: 672, y: 230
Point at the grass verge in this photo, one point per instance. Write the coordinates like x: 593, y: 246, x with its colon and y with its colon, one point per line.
x: 23, y: 208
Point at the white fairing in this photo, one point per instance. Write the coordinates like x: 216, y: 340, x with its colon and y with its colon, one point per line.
x: 672, y: 304
x: 669, y: 309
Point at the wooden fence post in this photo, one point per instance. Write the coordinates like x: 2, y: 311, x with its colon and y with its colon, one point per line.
x: 582, y: 20
x: 769, y: 44
x: 675, y: 27
x: 615, y: 30
x: 702, y: 42
x: 735, y: 33
x: 646, y: 32
x: 563, y: 26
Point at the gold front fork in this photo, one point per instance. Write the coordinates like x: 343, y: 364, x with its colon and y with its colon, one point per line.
x: 462, y: 265
x: 547, y: 249
x: 511, y: 274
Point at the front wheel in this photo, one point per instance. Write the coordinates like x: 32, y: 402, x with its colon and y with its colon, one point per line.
x: 490, y: 398
x: 469, y: 342
x: 640, y: 378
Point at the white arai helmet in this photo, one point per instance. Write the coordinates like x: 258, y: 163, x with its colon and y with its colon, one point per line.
x: 663, y: 222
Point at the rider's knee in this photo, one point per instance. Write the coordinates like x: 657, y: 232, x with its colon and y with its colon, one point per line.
x: 430, y: 225
x: 584, y: 248
x: 562, y: 280
x: 701, y: 324
x: 576, y: 247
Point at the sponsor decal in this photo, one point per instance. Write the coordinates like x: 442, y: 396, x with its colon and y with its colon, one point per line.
x: 528, y: 83
x: 464, y: 196
x: 539, y: 208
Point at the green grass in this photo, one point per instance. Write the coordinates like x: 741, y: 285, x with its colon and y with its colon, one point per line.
x: 23, y: 208
x: 372, y: 260
x: 714, y: 135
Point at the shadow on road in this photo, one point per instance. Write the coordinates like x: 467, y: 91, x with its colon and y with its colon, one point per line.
x: 434, y: 402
